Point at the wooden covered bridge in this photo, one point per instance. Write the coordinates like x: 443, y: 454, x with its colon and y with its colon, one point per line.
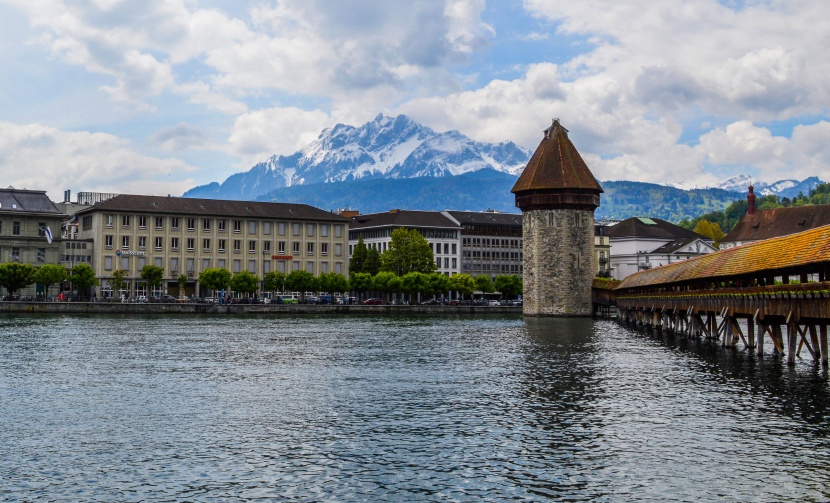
x: 747, y: 293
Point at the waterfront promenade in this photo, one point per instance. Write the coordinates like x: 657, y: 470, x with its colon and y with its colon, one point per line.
x: 292, y: 309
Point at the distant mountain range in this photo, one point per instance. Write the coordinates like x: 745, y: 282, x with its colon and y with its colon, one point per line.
x: 394, y: 162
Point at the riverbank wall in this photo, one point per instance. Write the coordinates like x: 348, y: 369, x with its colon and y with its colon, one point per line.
x: 293, y: 309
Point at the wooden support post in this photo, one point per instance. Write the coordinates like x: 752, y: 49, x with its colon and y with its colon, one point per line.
x: 777, y: 338
x: 792, y: 338
x: 762, y: 331
x: 823, y: 343
x: 750, y: 332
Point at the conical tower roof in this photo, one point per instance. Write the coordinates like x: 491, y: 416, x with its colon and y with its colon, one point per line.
x: 556, y: 176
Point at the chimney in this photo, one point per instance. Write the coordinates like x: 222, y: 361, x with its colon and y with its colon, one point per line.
x: 750, y: 201
x: 67, y: 196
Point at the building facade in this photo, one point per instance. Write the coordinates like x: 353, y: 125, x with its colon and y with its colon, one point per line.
x: 491, y: 243
x: 186, y: 236
x: 26, y: 217
x: 440, y: 230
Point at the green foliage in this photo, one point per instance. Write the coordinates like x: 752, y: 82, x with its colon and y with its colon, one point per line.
x: 711, y: 230
x: 408, y: 252
x: 301, y: 281
x: 483, y: 284
x: 359, y: 255
x: 50, y: 274
x: 182, y: 280
x: 438, y: 283
x: 275, y: 281
x: 381, y: 282
x: 510, y: 286
x: 117, y: 282
x: 244, y: 282
x: 153, y: 275
x: 414, y: 282
x: 15, y: 275
x: 83, y: 277
x: 463, y: 283
x: 333, y: 283
x: 372, y: 264
x: 215, y: 278
x: 361, y: 282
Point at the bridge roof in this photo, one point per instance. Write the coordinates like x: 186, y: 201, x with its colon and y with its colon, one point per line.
x: 786, y: 252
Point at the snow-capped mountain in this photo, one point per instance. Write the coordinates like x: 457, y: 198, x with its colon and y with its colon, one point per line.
x: 387, y: 147
x: 781, y: 188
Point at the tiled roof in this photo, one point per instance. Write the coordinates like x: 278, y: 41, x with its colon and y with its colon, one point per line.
x: 787, y: 252
x: 556, y: 164
x: 28, y: 201
x: 765, y: 224
x: 673, y: 246
x: 656, y: 228
x: 403, y: 218
x: 487, y: 218
x: 214, y: 207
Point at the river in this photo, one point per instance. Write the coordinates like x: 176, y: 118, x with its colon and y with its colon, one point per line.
x: 173, y: 408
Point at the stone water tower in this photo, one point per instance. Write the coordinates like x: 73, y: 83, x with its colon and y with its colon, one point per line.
x: 557, y: 194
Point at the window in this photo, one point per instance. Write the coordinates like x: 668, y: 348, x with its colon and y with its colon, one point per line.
x: 324, y: 248
x: 158, y: 243
x: 338, y: 231
x: 41, y: 254
x: 324, y: 230
x: 87, y: 223
x: 158, y: 261
x: 438, y: 262
x: 446, y: 263
x: 237, y: 245
x: 252, y: 227
x: 174, y: 266
x: 205, y: 263
x: 174, y: 244
x: 281, y: 249
x: 281, y: 266
x: 41, y: 229
x: 142, y: 242
x: 108, y: 220
x: 251, y: 246
x: 266, y: 267
x: 220, y: 263
x: 338, y: 249
x: 338, y: 267
x: 125, y: 263
x: 237, y: 226
x: 237, y: 265
x: 16, y: 228
x: 309, y: 267
x: 324, y: 267
x: 454, y: 250
x: 295, y: 229
x: 191, y: 244
x: 266, y: 247
x: 174, y: 223
x: 309, y: 230
x: 108, y: 263
x: 296, y: 248
x: 191, y: 224
x: 252, y: 266
x: 142, y: 261
x: 159, y: 223
x: 206, y: 244
x: 222, y: 245
x: 310, y: 248
x: 142, y: 222
x: 446, y: 248
x: 189, y: 267
x: 266, y: 228
x: 295, y: 265
x: 108, y: 241
x: 125, y: 221
x: 221, y: 225
x: 281, y: 228
x: 206, y: 224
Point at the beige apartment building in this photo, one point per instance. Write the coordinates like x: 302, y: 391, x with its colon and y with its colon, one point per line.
x: 187, y: 236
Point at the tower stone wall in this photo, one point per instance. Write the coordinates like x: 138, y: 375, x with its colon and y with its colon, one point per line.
x: 558, y: 262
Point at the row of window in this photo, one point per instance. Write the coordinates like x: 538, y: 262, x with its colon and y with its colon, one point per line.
x: 486, y: 255
x: 472, y: 268
x: 175, y: 265
x: 222, y: 245
x: 387, y: 231
x: 512, y: 243
x: 446, y: 262
x: 435, y: 247
x: 17, y: 228
x: 15, y: 256
x: 206, y: 225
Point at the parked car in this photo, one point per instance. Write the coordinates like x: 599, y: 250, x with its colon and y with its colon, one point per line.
x: 374, y: 301
x: 493, y: 302
x: 518, y: 302
x: 311, y: 299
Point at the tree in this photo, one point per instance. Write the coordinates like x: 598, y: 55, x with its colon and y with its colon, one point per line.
x: 361, y: 282
x: 117, y: 282
x: 372, y: 264
x: 301, y: 281
x: 438, y: 283
x: 182, y: 284
x: 462, y: 283
x: 483, y: 284
x: 245, y: 282
x: 510, y: 286
x: 215, y: 278
x: 152, y: 275
x: 711, y: 230
x: 49, y: 274
x: 414, y: 282
x: 333, y: 282
x: 83, y: 277
x: 275, y: 281
x: 359, y: 255
x: 380, y: 282
x: 14, y: 276
x: 408, y: 252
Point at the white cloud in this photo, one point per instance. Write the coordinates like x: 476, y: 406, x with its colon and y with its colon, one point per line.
x: 43, y: 158
x: 280, y: 130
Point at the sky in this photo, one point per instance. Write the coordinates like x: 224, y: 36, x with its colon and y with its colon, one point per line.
x: 156, y: 97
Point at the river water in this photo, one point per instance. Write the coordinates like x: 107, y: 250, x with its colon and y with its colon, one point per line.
x: 120, y: 408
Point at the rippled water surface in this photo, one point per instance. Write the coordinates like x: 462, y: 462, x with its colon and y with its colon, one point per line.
x: 401, y: 409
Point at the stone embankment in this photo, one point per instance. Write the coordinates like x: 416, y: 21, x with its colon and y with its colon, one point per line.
x: 186, y: 308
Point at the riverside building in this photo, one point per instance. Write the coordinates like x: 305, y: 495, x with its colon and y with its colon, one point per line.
x: 186, y: 236
x: 491, y: 243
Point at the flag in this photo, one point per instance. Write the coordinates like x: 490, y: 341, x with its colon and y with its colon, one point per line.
x: 48, y: 235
